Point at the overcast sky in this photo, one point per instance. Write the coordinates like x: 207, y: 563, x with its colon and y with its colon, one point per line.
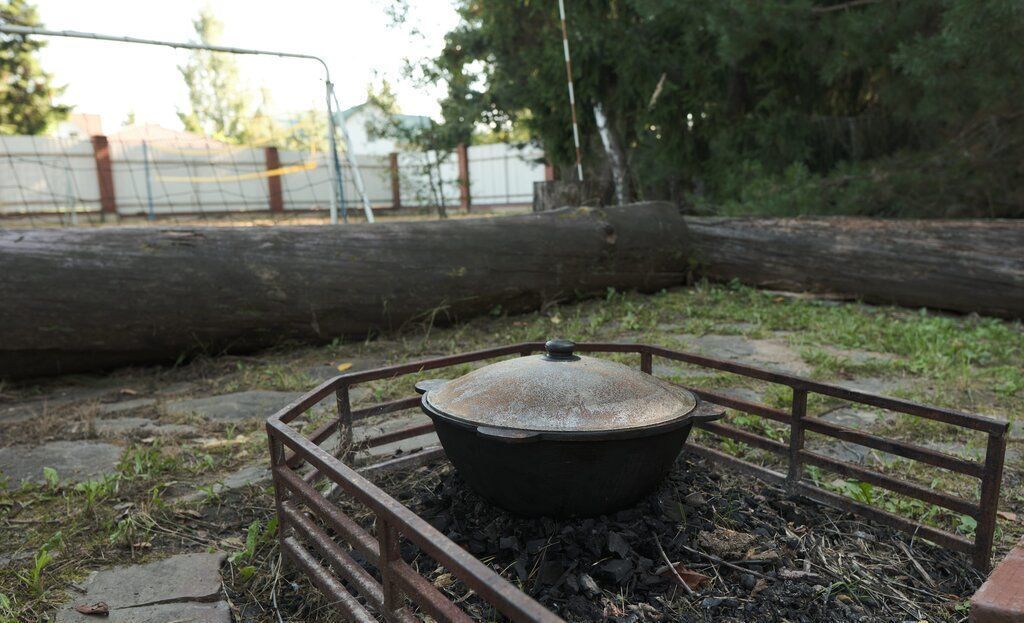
x: 355, y: 37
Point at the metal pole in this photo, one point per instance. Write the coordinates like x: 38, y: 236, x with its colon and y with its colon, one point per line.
x: 149, y: 184
x: 572, y: 95
x: 336, y: 189
x: 357, y: 175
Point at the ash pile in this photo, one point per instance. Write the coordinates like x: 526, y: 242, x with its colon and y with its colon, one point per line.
x: 706, y: 546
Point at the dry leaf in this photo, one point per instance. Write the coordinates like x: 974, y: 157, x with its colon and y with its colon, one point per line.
x: 97, y: 609
x: 759, y: 586
x: 444, y: 580
x: 344, y: 366
x: 1007, y: 515
x: 692, y: 578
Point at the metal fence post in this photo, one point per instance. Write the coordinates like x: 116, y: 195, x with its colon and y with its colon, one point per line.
x: 346, y: 447
x: 646, y: 362
x: 465, y: 199
x: 387, y: 537
x: 796, y: 438
x: 274, y: 195
x: 104, y: 175
x: 277, y: 462
x: 151, y: 211
x: 989, y: 503
x: 396, y: 182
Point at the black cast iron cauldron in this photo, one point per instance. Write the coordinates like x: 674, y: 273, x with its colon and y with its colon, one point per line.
x: 561, y: 435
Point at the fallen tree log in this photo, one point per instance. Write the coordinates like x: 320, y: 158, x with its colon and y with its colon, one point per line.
x: 76, y: 300
x: 964, y: 266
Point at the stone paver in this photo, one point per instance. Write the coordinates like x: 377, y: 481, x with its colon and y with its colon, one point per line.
x: 141, y: 427
x: 185, y: 587
x: 252, y: 474
x: 870, y: 385
x: 56, y: 399
x: 771, y: 354
x: 190, y: 612
x: 74, y: 460
x: 236, y: 407
x: 858, y: 356
x: 126, y: 406
x: 852, y: 417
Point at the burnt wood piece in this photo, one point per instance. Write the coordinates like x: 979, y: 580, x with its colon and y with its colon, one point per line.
x: 76, y: 300
x: 964, y: 266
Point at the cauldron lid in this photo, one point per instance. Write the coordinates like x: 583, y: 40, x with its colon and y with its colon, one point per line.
x: 560, y: 391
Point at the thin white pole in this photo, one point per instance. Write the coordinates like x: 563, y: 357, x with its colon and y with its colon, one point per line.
x: 336, y: 188
x: 572, y: 95
x: 357, y: 175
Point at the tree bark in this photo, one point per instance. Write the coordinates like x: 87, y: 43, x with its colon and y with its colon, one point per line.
x: 76, y: 300
x: 964, y: 266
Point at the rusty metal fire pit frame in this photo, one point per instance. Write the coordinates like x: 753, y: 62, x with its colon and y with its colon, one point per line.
x: 297, y: 496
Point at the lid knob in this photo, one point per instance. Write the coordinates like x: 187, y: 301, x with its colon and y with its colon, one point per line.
x: 560, y: 350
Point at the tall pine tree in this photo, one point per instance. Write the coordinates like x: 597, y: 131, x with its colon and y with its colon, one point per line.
x: 26, y: 91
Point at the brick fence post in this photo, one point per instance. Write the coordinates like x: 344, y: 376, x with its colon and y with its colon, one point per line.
x: 465, y: 200
x: 104, y: 175
x: 396, y: 184
x: 549, y: 171
x: 274, y: 181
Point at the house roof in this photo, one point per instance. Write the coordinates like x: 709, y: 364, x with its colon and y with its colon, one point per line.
x: 155, y: 132
x: 408, y: 121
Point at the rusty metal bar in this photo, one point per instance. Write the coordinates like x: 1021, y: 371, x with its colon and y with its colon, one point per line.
x: 477, y: 576
x: 343, y: 564
x: 753, y: 408
x: 938, y: 414
x: 817, y: 494
x: 414, y: 459
x: 796, y: 437
x: 738, y: 434
x: 326, y: 429
x: 387, y: 536
x: 746, y: 467
x: 426, y: 596
x: 276, y: 464
x: 895, y: 485
x: 407, y: 461
x: 894, y: 446
x: 386, y: 407
x: 913, y: 528
x: 414, y: 430
x: 305, y: 402
x: 345, y: 434
x: 391, y: 372
x: 353, y: 533
x: 995, y: 454
x: 646, y: 363
x: 726, y: 366
x: 326, y: 582
x: 948, y: 416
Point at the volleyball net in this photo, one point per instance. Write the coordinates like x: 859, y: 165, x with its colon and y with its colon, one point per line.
x: 138, y: 176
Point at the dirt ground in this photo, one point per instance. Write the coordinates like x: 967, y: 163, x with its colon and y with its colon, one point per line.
x: 165, y: 460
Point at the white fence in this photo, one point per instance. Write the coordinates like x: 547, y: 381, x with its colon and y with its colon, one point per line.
x: 42, y: 175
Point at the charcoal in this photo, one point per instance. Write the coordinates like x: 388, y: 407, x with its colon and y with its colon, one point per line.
x: 618, y: 572
x: 588, y: 585
x: 618, y: 545
x: 565, y: 563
